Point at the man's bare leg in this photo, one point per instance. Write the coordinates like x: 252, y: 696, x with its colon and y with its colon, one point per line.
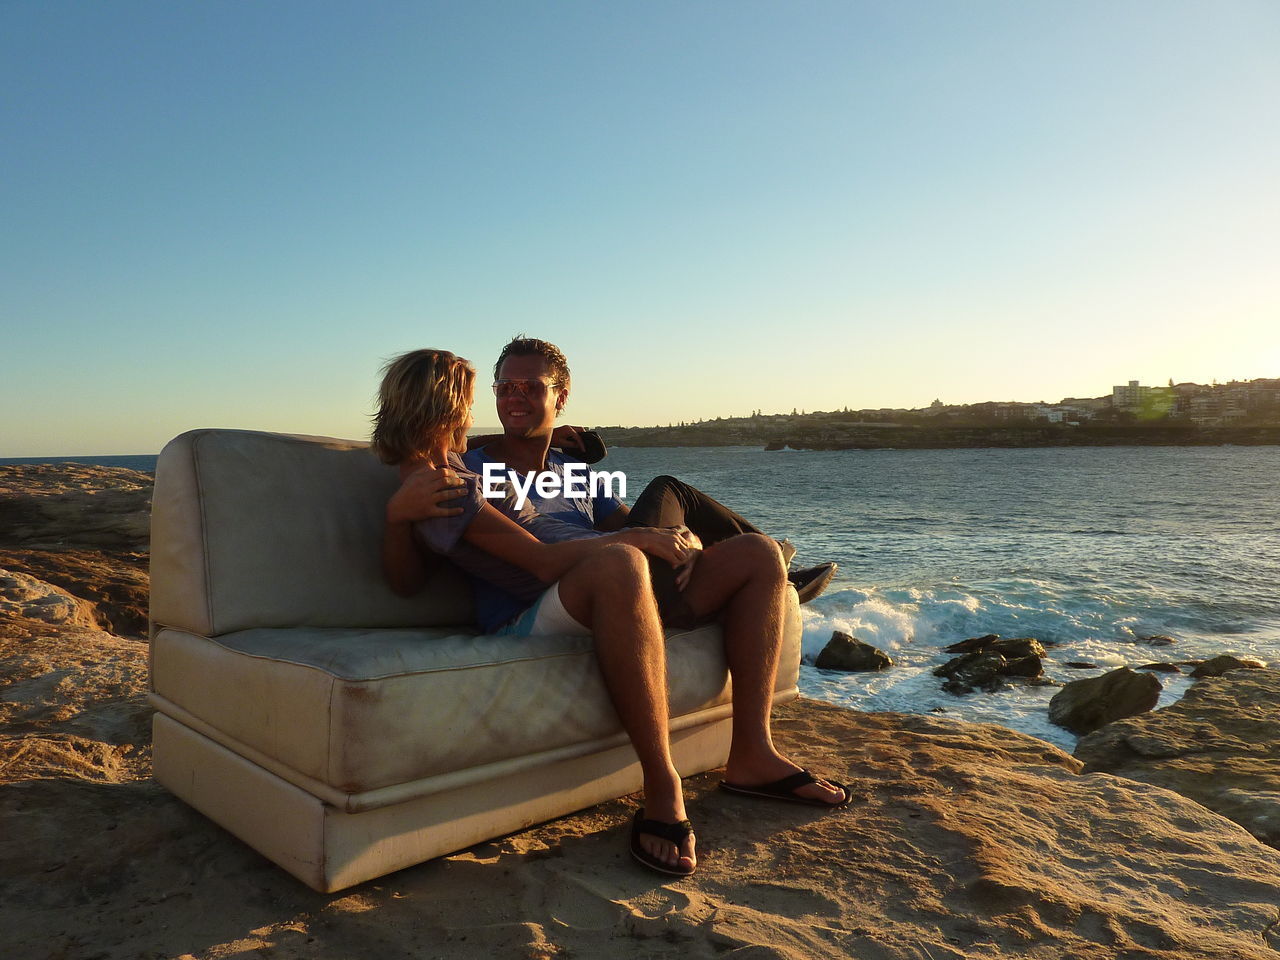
x: 611, y: 595
x: 743, y: 579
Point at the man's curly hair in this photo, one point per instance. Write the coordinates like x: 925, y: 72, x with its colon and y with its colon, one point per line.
x: 522, y: 346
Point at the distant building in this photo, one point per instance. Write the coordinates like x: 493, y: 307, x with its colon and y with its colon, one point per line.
x: 992, y: 410
x: 1130, y: 397
x: 1147, y: 402
x: 1206, y: 410
x: 1255, y: 395
x: 1088, y: 405
x: 1054, y: 414
x: 1077, y: 411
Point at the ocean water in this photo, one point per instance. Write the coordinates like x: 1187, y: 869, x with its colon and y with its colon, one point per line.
x: 1087, y: 549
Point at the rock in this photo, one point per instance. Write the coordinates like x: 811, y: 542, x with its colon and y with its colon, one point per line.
x: 1012, y: 648
x: 989, y: 660
x: 1156, y: 640
x: 1028, y: 666
x: 1223, y: 663
x: 972, y: 644
x: 844, y: 652
x: 980, y: 670
x: 1083, y: 706
x: 1216, y: 745
x: 967, y: 841
x: 53, y: 506
x: 26, y: 598
x: 1020, y: 647
x: 1160, y: 667
x: 114, y: 585
x: 1080, y: 665
x: 84, y: 530
x: 959, y: 687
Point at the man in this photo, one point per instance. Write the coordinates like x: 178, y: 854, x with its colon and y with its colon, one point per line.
x: 532, y: 383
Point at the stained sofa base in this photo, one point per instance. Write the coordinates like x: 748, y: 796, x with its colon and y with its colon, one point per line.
x: 329, y: 850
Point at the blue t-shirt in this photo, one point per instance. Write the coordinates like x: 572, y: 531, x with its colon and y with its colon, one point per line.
x: 501, y: 589
x: 585, y: 512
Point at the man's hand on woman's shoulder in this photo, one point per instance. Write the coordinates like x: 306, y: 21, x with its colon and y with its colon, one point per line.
x: 423, y: 495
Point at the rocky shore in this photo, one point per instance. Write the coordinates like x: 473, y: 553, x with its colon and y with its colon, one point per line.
x: 965, y: 840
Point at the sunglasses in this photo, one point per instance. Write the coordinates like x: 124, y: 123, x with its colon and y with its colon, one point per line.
x: 526, y: 388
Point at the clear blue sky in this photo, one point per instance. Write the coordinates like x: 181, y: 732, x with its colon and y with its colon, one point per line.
x: 229, y: 213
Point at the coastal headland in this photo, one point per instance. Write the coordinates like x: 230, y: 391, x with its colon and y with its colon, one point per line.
x: 811, y: 432
x: 1186, y: 414
x: 964, y: 841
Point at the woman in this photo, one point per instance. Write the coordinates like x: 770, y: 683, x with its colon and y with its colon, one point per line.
x: 599, y: 585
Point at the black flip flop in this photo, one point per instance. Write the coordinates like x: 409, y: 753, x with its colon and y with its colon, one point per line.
x: 675, y: 833
x: 785, y: 789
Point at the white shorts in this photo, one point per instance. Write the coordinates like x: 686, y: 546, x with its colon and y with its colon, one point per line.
x: 545, y: 617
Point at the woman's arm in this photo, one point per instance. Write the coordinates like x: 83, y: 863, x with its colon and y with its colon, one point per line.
x: 422, y: 495
x: 498, y: 535
x: 406, y: 568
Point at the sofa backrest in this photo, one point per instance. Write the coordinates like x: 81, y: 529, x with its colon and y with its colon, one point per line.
x: 253, y: 529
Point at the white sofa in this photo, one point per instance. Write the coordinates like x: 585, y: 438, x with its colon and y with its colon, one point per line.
x: 341, y: 730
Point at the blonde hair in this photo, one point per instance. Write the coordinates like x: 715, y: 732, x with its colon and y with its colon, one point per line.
x: 425, y: 395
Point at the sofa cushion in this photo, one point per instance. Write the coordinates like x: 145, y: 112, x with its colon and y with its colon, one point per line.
x: 361, y: 709
x: 255, y: 529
